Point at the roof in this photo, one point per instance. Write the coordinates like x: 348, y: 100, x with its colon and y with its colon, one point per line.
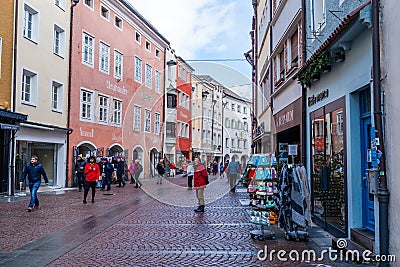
x: 346, y: 24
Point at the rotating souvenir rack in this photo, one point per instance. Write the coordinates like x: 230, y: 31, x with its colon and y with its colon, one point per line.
x: 261, y: 182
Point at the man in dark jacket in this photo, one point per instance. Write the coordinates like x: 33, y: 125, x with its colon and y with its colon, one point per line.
x: 120, y: 171
x: 106, y: 170
x: 160, y: 170
x: 34, y: 170
x: 80, y: 175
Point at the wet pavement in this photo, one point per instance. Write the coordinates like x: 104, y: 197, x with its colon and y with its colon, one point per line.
x: 150, y: 226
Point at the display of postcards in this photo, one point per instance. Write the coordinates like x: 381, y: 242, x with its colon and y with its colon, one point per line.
x: 260, y: 174
x: 267, y: 173
x: 264, y: 160
x: 253, y: 160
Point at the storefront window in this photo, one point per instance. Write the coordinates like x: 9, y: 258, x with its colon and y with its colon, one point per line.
x: 328, y: 161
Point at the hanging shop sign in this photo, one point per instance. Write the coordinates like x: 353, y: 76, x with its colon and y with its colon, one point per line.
x: 314, y: 99
x: 289, y: 116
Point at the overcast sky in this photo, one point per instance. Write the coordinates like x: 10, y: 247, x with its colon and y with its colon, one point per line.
x: 205, y: 30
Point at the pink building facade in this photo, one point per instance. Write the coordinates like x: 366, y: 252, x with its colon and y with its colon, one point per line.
x: 117, y: 84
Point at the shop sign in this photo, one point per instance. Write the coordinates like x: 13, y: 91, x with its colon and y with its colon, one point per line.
x: 285, y: 118
x: 314, y: 99
x: 5, y: 126
x: 86, y: 133
x: 236, y: 151
x: 116, y: 88
x: 289, y: 116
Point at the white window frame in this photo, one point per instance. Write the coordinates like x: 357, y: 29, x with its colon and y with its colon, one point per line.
x: 118, y: 23
x: 88, y: 104
x: 118, y: 64
x: 57, y: 92
x: 88, y: 49
x: 339, y: 125
x: 60, y: 4
x: 89, y: 3
x: 157, y: 120
x: 147, y: 121
x: 117, y: 112
x: 137, y: 113
x: 59, y: 41
x: 158, y: 82
x: 30, y: 23
x: 104, y: 58
x: 148, y: 76
x: 138, y: 70
x: 104, y: 107
x: 148, y: 46
x: 318, y: 15
x: 158, y: 53
x: 107, y: 14
x: 138, y: 36
x: 30, y: 89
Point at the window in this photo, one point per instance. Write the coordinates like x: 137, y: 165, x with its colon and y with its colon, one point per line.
x: 148, y: 46
x: 245, y: 127
x: 105, y: 13
x: 31, y: 23
x: 60, y: 4
x: 86, y: 105
x: 104, y: 63
x: 170, y: 129
x: 136, y: 118
x: 239, y: 109
x: 227, y: 142
x: 245, y: 110
x: 339, y: 127
x: 147, y: 120
x: 294, y: 50
x: 87, y: 49
x: 118, y: 22
x: 56, y: 96
x: 282, y: 65
x: 137, y: 37
x: 148, y: 80
x: 138, y: 69
x: 233, y: 124
x: 103, y: 109
x: 59, y: 41
x: 157, y: 123
x: 157, y: 53
x: 88, y: 3
x: 117, y: 112
x: 118, y: 62
x: 158, y: 81
x: 317, y: 10
x: 232, y: 142
x: 171, y: 101
x: 245, y: 143
x: 227, y: 122
x: 233, y: 106
x: 29, y: 87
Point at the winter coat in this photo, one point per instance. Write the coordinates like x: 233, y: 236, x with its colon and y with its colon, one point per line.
x: 120, y: 167
x: 106, y: 168
x: 138, y: 168
x: 34, y: 172
x: 200, y: 178
x: 132, y: 168
x: 233, y: 167
x: 160, y: 168
x: 92, y: 172
x: 80, y: 165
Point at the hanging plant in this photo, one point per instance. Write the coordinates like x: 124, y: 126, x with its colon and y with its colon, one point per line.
x: 314, y: 69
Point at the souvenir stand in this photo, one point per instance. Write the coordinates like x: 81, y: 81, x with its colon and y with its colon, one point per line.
x: 293, y: 202
x: 261, y: 182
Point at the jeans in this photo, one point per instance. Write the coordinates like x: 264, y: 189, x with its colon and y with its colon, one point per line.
x: 106, y: 182
x: 33, y: 187
x: 159, y: 178
x: 232, y: 180
x: 190, y: 181
x: 138, y: 183
x: 80, y: 177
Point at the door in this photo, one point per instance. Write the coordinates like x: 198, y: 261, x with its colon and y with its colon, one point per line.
x: 367, y: 198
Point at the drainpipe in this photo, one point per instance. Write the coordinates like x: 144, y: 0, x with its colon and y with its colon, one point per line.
x: 14, y: 99
x: 383, y: 192
x: 303, y: 88
x: 255, y: 72
x: 75, y: 2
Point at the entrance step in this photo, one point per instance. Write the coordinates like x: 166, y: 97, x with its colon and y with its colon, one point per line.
x: 347, y: 245
x: 363, y: 237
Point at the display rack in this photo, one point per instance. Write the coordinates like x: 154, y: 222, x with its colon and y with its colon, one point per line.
x: 260, y: 178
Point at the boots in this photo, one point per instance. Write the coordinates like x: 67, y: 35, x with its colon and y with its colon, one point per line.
x: 199, y: 209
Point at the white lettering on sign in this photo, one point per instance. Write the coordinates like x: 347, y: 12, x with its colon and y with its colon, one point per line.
x: 116, y: 138
x: 183, y: 115
x: 285, y: 118
x: 116, y: 88
x: 85, y: 133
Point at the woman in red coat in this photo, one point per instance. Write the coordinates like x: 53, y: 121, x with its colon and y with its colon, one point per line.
x: 92, y: 172
x: 200, y: 180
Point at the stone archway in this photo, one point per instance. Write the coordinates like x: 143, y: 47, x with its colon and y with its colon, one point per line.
x: 154, y: 158
x: 115, y: 150
x: 138, y: 154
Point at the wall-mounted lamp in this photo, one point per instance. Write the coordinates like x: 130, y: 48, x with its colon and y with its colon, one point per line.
x: 193, y: 88
x: 340, y: 55
x: 171, y: 63
x: 205, y: 94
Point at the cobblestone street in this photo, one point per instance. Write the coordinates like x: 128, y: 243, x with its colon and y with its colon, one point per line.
x: 151, y: 226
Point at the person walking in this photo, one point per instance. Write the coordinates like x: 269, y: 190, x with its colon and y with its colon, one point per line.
x: 106, y: 170
x: 160, y: 170
x: 184, y: 166
x: 137, y: 171
x: 92, y: 172
x: 120, y: 166
x: 221, y: 169
x: 132, y: 171
x: 233, y: 170
x: 190, y: 173
x: 34, y: 170
x: 200, y: 180
x: 79, y: 172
